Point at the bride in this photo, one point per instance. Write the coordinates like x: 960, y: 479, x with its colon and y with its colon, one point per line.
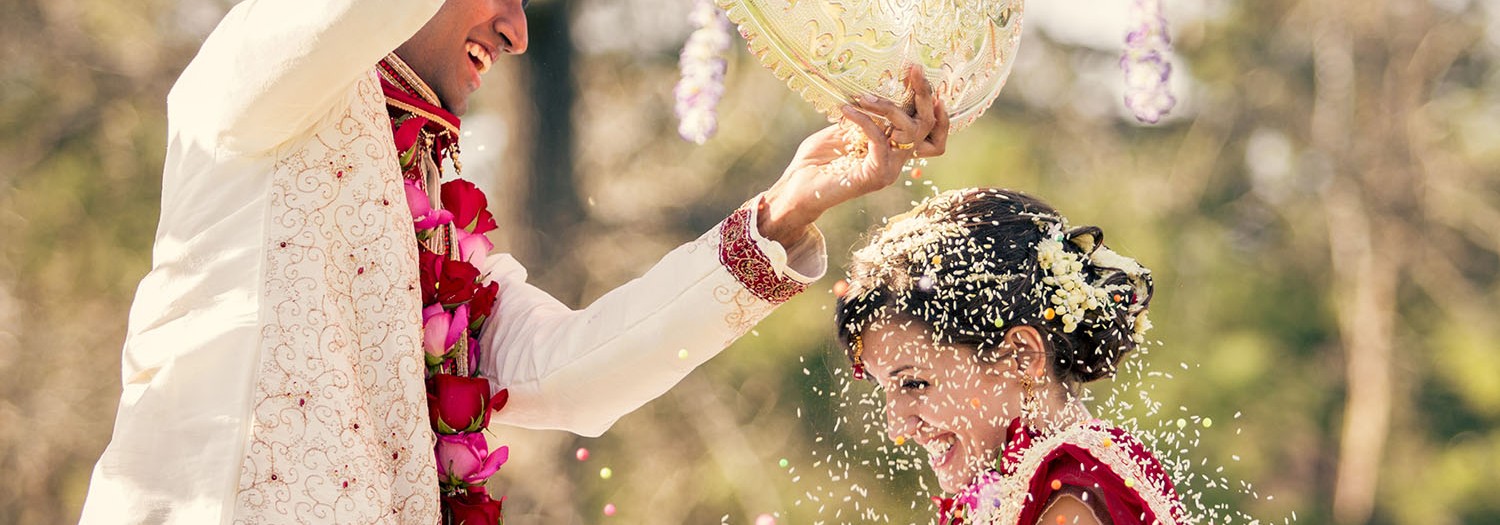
x: 979, y: 314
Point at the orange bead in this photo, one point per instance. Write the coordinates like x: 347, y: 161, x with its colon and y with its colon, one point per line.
x: 974, y: 401
x: 1056, y: 484
x: 1049, y: 314
x: 1061, y: 520
x: 839, y: 288
x: 916, y: 173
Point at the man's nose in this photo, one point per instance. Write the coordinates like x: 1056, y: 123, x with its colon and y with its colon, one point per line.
x: 513, y: 29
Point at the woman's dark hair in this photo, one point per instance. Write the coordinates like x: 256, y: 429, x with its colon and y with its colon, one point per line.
x: 965, y: 264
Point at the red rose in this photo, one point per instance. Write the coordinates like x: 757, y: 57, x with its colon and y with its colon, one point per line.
x: 469, y: 206
x: 483, y: 303
x: 461, y: 404
x: 406, y: 134
x: 446, y: 281
x: 429, y: 266
x: 472, y: 508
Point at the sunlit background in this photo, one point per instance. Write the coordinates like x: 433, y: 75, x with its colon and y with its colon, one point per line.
x: 1322, y: 214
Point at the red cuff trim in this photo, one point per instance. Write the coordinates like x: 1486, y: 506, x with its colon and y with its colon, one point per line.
x: 742, y: 257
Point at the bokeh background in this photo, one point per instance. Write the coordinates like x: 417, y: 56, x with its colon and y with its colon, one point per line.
x: 1322, y: 214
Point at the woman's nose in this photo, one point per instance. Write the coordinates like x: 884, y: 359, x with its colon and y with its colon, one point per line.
x: 900, y: 422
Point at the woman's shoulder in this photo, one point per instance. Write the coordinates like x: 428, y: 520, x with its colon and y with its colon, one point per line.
x: 1118, y: 469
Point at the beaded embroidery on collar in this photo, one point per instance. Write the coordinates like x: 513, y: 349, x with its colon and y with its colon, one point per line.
x: 1002, y: 495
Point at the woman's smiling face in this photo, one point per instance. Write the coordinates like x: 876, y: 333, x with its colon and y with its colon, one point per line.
x: 942, y: 397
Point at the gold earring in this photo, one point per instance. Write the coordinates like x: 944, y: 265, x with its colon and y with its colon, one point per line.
x: 1028, y: 401
x: 859, y: 349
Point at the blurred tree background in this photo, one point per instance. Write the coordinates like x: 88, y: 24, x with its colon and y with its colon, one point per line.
x: 1322, y: 215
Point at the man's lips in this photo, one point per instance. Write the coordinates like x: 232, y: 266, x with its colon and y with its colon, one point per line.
x: 480, y: 55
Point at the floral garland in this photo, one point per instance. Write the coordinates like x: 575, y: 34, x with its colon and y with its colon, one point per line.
x: 456, y: 297
x: 1147, y: 63
x: 703, y: 63
x: 457, y: 302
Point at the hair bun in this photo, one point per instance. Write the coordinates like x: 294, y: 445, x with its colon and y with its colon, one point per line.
x: 1086, y: 238
x: 1138, y: 277
x: 1119, y: 327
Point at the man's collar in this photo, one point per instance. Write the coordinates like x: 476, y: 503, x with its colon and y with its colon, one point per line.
x: 395, y: 71
x: 405, y: 90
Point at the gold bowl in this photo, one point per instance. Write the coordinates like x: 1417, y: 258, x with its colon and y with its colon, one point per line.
x: 831, y: 51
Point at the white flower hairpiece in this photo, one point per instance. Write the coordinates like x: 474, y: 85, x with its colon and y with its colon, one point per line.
x: 1072, y: 296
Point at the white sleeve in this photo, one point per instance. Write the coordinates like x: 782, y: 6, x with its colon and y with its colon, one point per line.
x: 582, y: 370
x: 273, y: 68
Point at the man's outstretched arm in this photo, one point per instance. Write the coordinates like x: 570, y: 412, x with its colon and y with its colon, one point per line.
x: 274, y: 68
x: 582, y: 370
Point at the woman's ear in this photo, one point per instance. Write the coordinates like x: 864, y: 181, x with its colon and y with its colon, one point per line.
x: 1031, y: 351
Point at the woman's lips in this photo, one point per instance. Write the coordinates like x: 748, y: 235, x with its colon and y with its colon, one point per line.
x: 940, y: 449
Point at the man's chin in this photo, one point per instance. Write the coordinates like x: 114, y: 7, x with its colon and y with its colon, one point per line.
x: 455, y: 105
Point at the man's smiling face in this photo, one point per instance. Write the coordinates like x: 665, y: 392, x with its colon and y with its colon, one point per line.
x: 460, y: 43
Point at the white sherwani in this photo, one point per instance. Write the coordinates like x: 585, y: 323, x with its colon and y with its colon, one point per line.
x: 273, y: 367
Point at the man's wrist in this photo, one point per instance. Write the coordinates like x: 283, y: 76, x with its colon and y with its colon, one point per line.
x: 779, y: 220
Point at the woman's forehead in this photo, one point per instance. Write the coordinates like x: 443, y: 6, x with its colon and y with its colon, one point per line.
x: 895, y: 344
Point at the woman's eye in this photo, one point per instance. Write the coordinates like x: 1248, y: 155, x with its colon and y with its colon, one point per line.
x: 913, y: 384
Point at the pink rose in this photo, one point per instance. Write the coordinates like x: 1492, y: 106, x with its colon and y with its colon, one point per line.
x: 474, y: 355
x: 442, y: 329
x: 466, y: 459
x: 423, y: 216
x: 435, y: 324
x: 473, y: 248
x: 458, y: 328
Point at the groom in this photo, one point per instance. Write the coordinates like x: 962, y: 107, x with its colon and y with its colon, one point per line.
x: 273, y: 370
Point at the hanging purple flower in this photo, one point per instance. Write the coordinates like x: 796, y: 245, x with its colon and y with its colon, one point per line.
x: 1147, y: 64
x: 703, y: 64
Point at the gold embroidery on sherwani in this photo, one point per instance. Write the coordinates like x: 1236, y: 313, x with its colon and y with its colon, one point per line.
x: 339, y: 429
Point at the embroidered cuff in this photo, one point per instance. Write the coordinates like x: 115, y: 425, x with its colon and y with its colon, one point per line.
x: 804, y: 262
x: 742, y: 254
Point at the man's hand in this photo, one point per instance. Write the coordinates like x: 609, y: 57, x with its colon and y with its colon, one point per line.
x: 837, y: 163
